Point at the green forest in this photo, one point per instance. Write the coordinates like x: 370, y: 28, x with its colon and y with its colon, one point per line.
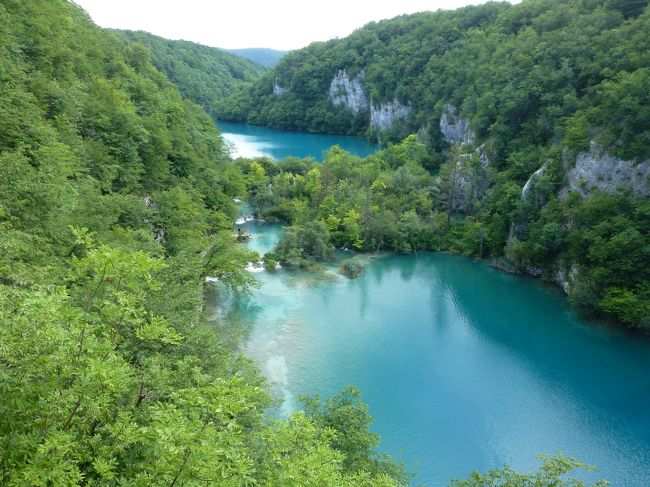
x: 117, y: 200
x: 261, y: 55
x: 202, y: 74
x: 525, y: 76
x: 537, y: 84
x: 391, y: 201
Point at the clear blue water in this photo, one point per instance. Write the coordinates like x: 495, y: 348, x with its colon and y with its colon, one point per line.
x: 264, y: 236
x: 463, y: 367
x: 255, y: 141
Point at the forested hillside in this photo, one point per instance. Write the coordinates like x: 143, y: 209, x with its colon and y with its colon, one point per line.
x: 532, y: 119
x: 203, y: 74
x: 115, y: 203
x: 523, y: 75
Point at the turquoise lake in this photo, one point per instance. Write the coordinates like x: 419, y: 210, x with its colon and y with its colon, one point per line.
x: 256, y: 141
x: 463, y: 366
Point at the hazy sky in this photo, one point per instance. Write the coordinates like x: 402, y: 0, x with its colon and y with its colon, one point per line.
x: 279, y: 24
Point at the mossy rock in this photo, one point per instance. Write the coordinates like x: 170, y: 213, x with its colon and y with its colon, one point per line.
x: 352, y: 268
x: 269, y: 263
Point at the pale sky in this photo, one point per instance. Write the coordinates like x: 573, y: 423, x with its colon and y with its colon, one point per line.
x: 278, y: 24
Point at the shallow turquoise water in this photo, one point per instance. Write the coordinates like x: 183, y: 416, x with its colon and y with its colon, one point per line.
x: 463, y: 367
x: 256, y: 141
x: 262, y: 241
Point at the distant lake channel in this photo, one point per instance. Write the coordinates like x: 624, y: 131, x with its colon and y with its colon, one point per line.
x: 257, y: 141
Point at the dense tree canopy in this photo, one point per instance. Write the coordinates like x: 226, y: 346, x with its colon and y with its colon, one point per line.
x: 522, y: 74
x: 116, y: 200
x: 203, y: 74
x: 537, y: 83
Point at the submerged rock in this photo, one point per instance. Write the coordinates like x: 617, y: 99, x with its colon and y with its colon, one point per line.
x: 352, y: 268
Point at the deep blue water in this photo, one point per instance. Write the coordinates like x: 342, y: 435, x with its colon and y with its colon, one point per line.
x: 255, y: 141
x: 463, y: 367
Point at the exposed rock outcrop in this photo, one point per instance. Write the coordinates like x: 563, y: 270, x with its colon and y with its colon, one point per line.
x: 595, y: 169
x: 455, y: 129
x: 470, y: 179
x: 423, y: 134
x: 159, y: 235
x: 148, y: 200
x: 385, y: 115
x: 277, y: 88
x: 348, y: 92
x: 563, y: 278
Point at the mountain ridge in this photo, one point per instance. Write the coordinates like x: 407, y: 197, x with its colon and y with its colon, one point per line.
x: 265, y: 56
x: 203, y: 74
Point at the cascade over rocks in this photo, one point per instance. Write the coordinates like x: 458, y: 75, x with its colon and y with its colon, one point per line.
x: 526, y: 191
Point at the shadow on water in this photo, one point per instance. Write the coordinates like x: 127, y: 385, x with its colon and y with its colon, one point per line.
x: 533, y: 320
x: 529, y: 358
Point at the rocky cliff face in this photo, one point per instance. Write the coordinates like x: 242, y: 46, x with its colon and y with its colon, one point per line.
x: 277, y: 88
x: 386, y: 115
x: 470, y: 179
x: 595, y: 169
x: 348, y: 92
x: 455, y: 129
